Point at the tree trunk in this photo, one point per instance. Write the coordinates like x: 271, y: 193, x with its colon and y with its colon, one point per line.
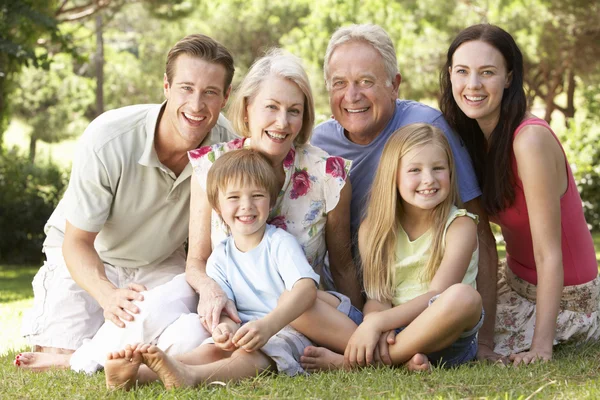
x: 570, y: 110
x: 32, y: 147
x: 99, y: 66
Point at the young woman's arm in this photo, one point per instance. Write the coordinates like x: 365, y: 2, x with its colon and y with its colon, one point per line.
x: 254, y: 334
x: 487, y: 281
x: 212, y: 299
x: 339, y: 246
x: 542, y: 169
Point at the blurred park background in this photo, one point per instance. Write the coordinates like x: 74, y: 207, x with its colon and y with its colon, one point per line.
x: 63, y: 62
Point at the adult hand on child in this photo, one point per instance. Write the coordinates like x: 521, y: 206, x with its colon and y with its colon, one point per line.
x: 362, y: 344
x: 223, y: 337
x: 531, y: 356
x: 382, y: 351
x: 212, y: 302
x: 118, y: 304
x: 253, y: 335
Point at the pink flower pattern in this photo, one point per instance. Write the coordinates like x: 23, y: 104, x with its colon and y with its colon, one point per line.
x: 301, y: 183
x: 197, y: 153
x: 334, y: 166
x: 278, y: 221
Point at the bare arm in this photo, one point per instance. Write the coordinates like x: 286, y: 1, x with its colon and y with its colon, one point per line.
x: 487, y: 280
x: 541, y: 167
x: 88, y: 271
x: 212, y: 299
x: 253, y: 335
x: 339, y: 242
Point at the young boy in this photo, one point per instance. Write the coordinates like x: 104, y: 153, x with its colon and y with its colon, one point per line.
x: 254, y: 266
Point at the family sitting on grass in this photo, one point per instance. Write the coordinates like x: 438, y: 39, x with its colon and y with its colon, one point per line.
x: 288, y: 229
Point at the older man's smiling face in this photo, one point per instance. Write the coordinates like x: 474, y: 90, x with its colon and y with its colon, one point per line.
x: 361, y: 94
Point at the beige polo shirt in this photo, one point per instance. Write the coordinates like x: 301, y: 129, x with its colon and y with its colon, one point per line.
x: 119, y: 188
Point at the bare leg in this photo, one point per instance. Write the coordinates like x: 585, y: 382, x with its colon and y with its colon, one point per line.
x: 321, y: 359
x: 457, y: 310
x: 324, y: 324
x: 54, y: 350
x: 121, y: 368
x: 173, y: 373
x: 39, y: 362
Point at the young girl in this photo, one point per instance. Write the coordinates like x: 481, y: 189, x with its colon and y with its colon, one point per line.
x: 548, y: 291
x: 416, y: 248
x: 254, y: 267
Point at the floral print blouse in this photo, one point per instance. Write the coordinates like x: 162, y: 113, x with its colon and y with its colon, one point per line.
x: 312, y: 186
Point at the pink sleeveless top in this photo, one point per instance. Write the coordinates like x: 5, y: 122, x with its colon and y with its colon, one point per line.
x: 578, y: 254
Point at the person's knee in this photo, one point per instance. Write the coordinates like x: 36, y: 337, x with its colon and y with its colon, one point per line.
x: 463, y: 298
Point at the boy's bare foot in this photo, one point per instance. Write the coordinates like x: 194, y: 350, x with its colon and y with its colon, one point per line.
x: 121, y: 368
x: 171, y: 372
x: 419, y: 362
x: 39, y: 362
x: 321, y: 359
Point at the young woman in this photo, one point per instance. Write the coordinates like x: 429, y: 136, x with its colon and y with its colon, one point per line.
x: 548, y: 286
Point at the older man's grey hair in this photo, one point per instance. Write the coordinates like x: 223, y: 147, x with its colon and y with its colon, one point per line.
x: 371, y: 34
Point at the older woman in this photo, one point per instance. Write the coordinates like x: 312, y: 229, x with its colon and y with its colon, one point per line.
x: 549, y: 288
x: 273, y: 109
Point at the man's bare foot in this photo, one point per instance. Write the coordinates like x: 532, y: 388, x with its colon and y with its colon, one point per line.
x: 321, y: 359
x: 171, y: 372
x: 121, y: 368
x: 419, y: 362
x: 39, y: 362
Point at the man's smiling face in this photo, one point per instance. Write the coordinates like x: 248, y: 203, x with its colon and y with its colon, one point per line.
x: 361, y: 94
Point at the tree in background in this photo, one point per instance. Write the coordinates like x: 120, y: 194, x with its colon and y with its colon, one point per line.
x: 53, y: 102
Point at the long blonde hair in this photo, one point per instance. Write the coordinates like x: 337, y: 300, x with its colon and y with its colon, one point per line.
x: 382, y: 220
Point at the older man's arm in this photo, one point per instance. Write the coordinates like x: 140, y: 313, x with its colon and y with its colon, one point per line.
x: 486, y: 281
x: 338, y: 238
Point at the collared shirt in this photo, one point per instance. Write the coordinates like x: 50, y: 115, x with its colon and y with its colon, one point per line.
x: 120, y: 189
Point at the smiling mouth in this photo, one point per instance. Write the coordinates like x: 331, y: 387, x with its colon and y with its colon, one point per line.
x: 246, y: 218
x: 275, y: 135
x: 427, y: 191
x: 192, y: 119
x: 475, y: 98
x: 356, y: 110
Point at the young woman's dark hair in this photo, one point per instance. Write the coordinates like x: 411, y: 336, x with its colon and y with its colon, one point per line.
x: 493, y: 166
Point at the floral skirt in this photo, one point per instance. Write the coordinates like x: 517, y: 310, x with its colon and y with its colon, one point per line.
x: 578, y: 318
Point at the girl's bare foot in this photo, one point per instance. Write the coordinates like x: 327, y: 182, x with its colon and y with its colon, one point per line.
x: 419, y: 362
x: 321, y: 359
x: 121, y: 368
x: 39, y: 362
x: 171, y: 372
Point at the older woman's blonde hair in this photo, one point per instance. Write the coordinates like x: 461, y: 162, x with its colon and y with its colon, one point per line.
x: 279, y: 63
x: 382, y: 221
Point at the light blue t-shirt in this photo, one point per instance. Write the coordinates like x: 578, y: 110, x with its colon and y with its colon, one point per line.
x: 254, y: 280
x: 365, y: 158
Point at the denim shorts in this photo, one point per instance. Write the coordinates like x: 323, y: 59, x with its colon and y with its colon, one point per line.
x: 463, y: 350
x: 347, y: 308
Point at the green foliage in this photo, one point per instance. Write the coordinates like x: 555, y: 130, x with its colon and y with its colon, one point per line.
x: 22, y: 24
x: 28, y: 195
x: 581, y: 145
x: 54, y: 102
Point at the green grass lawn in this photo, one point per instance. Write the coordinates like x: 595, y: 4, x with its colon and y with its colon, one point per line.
x: 572, y: 375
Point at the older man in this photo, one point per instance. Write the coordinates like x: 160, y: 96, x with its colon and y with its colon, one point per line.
x: 362, y: 78
x: 123, y: 221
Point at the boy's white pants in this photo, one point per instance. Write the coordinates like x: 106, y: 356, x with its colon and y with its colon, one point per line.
x: 167, y: 318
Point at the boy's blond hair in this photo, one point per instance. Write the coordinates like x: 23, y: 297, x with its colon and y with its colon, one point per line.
x: 245, y: 167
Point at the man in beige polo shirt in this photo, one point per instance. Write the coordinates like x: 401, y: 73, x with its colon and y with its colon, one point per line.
x: 123, y: 221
